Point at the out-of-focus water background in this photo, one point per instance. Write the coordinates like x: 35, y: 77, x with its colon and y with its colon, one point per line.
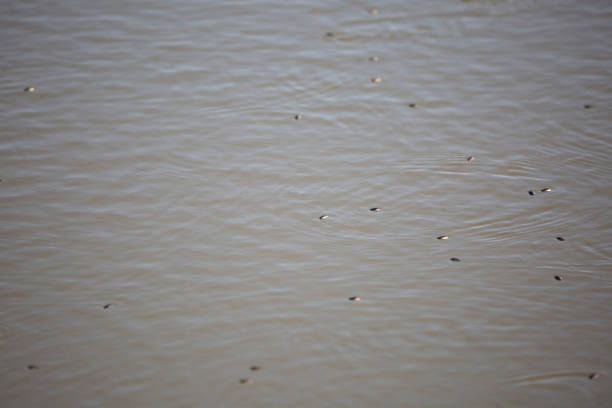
x: 158, y: 167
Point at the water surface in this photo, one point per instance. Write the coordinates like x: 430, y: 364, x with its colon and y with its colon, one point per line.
x: 158, y: 168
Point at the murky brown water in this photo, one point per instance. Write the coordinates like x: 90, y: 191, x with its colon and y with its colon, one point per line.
x: 158, y: 170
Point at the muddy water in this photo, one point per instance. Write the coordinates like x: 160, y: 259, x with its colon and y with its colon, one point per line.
x: 160, y: 204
